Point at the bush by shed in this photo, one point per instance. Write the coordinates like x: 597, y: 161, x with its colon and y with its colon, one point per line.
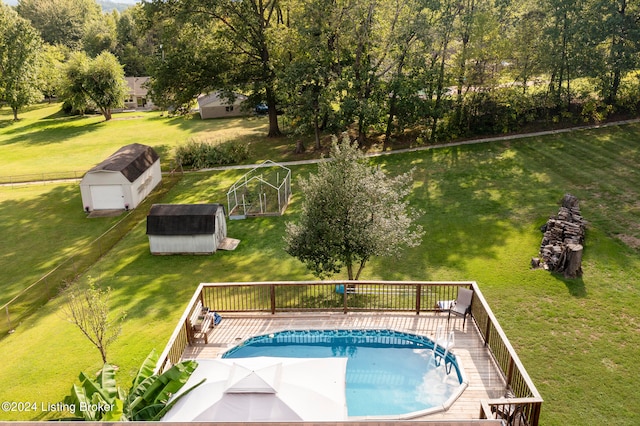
x: 186, y: 228
x: 121, y: 181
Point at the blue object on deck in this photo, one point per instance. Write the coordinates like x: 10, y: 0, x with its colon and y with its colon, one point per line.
x: 216, y: 318
x: 340, y: 289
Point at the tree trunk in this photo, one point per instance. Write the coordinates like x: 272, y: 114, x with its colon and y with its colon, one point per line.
x: 274, y: 129
x: 393, y: 103
x: 362, y: 264
x: 392, y: 114
x: 350, y: 271
x: 316, y: 130
x: 572, y: 260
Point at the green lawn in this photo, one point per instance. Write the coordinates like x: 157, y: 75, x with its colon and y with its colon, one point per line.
x: 45, y: 141
x: 483, y: 206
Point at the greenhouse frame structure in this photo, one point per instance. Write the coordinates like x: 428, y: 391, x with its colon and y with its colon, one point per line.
x: 263, y: 191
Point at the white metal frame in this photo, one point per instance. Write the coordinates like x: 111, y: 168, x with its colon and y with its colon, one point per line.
x: 239, y: 207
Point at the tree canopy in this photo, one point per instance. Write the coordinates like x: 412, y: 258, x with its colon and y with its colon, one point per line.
x: 233, y: 36
x: 95, y: 82
x: 423, y: 69
x: 20, y: 46
x: 60, y: 21
x: 351, y: 212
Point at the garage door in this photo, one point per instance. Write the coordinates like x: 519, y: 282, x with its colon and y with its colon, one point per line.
x: 107, y: 197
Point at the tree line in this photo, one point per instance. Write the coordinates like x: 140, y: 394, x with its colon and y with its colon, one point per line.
x: 443, y: 68
x: 58, y: 48
x: 436, y: 69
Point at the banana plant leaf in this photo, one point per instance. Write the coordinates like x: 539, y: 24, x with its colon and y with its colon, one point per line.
x: 146, y: 369
x: 152, y: 394
x: 116, y: 412
x: 106, y: 381
x: 166, y: 407
x: 100, y: 399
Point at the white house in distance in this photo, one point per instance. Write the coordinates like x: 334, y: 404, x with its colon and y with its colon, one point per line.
x: 186, y: 228
x: 214, y: 105
x: 121, y: 181
x: 138, y: 97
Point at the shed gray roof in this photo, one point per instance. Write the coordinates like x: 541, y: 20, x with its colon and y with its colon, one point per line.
x: 130, y: 160
x: 182, y: 219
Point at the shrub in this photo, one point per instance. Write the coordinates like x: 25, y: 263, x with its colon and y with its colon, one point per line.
x: 195, y: 155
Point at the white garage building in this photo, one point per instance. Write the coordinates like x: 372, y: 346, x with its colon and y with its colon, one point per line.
x: 121, y: 181
x: 186, y: 228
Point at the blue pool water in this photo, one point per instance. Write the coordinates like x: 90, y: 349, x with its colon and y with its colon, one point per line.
x: 388, y: 373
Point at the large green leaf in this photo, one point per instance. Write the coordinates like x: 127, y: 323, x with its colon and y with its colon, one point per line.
x: 167, y: 407
x: 115, y: 414
x: 107, y: 382
x: 146, y: 369
x: 170, y: 382
x: 92, y: 387
x: 151, y: 394
x: 78, y: 398
x: 101, y: 399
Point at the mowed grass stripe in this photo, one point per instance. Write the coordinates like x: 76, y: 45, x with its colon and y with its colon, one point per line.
x: 482, y: 208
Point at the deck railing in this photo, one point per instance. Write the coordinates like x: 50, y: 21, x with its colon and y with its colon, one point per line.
x: 523, y: 404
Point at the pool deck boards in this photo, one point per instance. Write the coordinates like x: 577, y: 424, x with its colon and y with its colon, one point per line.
x: 485, y: 382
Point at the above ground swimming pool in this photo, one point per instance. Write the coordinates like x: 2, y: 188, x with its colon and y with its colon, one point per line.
x: 389, y: 374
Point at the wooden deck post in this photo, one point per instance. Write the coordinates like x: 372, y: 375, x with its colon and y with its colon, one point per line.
x: 272, y: 290
x: 418, y: 294
x: 487, y: 333
x: 510, y: 371
x: 344, y: 299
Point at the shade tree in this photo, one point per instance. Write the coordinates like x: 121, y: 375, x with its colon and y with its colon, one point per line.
x: 20, y: 46
x: 241, y: 29
x: 351, y: 212
x: 95, y: 82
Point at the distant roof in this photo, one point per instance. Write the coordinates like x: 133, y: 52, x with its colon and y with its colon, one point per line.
x: 131, y: 160
x: 182, y: 219
x: 218, y: 98
x: 137, y: 85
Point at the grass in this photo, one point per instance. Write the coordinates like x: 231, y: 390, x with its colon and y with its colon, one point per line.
x: 41, y: 222
x: 483, y: 206
x: 43, y: 140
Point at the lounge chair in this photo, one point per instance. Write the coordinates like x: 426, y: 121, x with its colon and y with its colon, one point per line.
x: 462, y: 305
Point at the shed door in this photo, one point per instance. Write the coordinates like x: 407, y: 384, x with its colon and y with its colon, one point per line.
x: 107, y: 197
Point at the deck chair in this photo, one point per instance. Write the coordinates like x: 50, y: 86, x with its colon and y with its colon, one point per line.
x: 512, y: 414
x: 462, y: 305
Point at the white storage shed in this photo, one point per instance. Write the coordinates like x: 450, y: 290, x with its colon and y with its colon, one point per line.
x: 123, y: 180
x: 186, y: 228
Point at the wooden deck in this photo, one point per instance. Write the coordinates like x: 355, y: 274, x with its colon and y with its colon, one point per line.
x: 485, y: 382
